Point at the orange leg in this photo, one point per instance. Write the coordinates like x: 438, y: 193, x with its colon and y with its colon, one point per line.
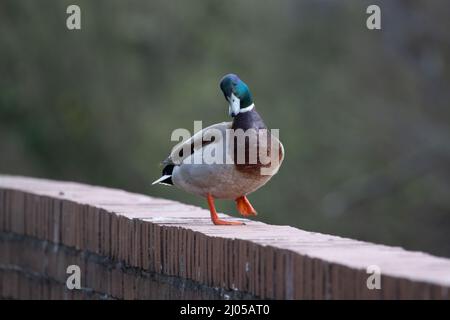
x: 215, y: 219
x: 244, y: 206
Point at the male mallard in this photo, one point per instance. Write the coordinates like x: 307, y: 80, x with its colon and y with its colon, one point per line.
x: 188, y: 168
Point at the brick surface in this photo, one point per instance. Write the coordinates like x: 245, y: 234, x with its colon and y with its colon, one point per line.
x: 132, y: 246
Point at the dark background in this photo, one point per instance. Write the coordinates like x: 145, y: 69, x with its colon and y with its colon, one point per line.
x: 363, y: 115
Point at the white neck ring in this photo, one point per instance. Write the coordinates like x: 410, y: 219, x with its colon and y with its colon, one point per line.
x: 247, y: 109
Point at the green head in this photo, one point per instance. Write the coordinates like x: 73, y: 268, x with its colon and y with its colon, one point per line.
x: 237, y: 94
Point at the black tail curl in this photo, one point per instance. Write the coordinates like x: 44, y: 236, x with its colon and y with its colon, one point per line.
x: 167, y: 170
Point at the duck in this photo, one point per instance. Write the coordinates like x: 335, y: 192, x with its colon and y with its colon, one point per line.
x: 235, y: 173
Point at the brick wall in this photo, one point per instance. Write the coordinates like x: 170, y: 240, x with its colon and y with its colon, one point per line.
x: 131, y: 246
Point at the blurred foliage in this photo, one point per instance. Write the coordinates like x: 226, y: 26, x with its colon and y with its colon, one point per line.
x: 363, y: 115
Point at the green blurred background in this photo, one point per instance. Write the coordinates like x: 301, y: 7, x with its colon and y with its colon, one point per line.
x: 363, y: 115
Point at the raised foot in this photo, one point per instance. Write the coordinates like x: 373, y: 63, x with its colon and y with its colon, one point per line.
x: 244, y: 207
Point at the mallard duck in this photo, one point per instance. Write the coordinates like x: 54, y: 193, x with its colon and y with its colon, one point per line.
x: 188, y: 169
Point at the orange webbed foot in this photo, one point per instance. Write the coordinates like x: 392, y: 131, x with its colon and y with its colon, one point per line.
x: 220, y: 222
x: 244, y: 207
x: 215, y: 218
